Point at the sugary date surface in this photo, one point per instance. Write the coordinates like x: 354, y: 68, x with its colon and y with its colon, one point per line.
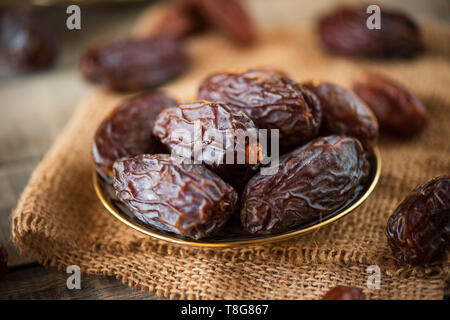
x: 344, y: 31
x: 418, y: 231
x: 270, y: 99
x: 312, y: 181
x: 397, y: 110
x: 230, y: 17
x: 127, y: 130
x: 26, y: 41
x: 187, y: 199
x: 344, y: 293
x: 214, y: 128
x: 134, y: 64
x: 344, y: 113
x: 3, y: 261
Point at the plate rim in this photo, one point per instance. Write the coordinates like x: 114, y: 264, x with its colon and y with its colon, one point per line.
x: 275, y: 238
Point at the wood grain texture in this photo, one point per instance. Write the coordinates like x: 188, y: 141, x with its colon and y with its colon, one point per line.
x: 37, y: 282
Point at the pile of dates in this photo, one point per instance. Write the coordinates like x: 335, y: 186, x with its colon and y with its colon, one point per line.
x: 175, y: 176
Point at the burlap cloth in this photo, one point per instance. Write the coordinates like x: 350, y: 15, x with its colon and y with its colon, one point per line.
x: 60, y: 220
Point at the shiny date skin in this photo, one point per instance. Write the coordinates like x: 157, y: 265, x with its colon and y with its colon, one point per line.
x: 186, y: 199
x: 397, y: 110
x: 127, y: 130
x: 344, y: 113
x: 344, y: 31
x: 270, y: 99
x: 344, y: 293
x: 176, y: 129
x: 418, y: 231
x: 26, y: 40
x: 134, y: 64
x: 311, y: 182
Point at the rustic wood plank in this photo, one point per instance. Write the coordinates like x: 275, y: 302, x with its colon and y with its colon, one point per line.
x: 13, y: 178
x: 37, y: 282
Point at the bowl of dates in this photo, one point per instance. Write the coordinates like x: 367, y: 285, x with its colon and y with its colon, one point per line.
x: 191, y: 173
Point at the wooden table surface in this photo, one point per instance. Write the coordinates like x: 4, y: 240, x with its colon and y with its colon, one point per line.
x: 34, y: 107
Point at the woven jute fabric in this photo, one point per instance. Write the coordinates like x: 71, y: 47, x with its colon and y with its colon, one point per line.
x: 60, y: 220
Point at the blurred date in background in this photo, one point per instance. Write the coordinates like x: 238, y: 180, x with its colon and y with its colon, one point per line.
x: 46, y: 41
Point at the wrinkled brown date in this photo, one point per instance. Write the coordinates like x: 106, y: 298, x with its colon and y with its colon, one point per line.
x: 344, y: 31
x: 397, y: 110
x: 3, y: 261
x: 26, y: 40
x: 127, y: 131
x: 312, y: 181
x: 177, y: 128
x: 344, y: 113
x: 344, y: 293
x: 418, y: 231
x: 270, y: 99
x: 186, y: 199
x: 134, y: 64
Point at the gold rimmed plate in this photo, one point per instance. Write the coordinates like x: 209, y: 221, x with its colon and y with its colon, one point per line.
x: 233, y: 234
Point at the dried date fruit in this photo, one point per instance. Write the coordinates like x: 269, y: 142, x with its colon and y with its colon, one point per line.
x: 134, y: 64
x: 127, y: 131
x: 311, y: 181
x: 397, y: 110
x: 230, y: 17
x: 344, y: 113
x: 189, y: 16
x: 418, y: 231
x: 344, y: 293
x: 215, y: 128
x: 181, y: 19
x: 3, y: 261
x: 26, y: 41
x: 344, y: 31
x: 270, y: 99
x: 187, y: 199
